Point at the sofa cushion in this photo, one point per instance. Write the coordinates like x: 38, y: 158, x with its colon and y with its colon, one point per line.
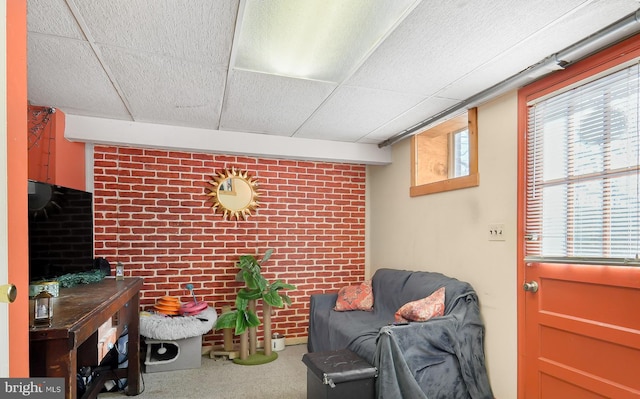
x: 393, y: 288
x: 423, y: 309
x: 355, y: 297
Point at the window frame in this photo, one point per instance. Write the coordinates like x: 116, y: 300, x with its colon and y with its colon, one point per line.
x: 455, y: 183
x: 615, y: 57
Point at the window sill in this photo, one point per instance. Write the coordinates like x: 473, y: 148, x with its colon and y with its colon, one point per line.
x: 446, y: 185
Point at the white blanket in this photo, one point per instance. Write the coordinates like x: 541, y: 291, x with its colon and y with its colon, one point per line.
x: 157, y: 326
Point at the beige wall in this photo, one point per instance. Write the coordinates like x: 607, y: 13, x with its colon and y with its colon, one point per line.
x: 447, y: 232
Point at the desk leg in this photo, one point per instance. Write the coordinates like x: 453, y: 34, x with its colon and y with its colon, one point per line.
x: 62, y: 362
x: 133, y: 350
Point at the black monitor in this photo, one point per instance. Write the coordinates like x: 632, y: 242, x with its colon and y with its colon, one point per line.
x: 60, y: 231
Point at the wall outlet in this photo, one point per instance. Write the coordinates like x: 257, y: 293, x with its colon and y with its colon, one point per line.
x: 496, y: 232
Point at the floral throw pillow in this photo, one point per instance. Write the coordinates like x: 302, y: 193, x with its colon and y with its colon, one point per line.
x: 355, y: 297
x: 422, y: 309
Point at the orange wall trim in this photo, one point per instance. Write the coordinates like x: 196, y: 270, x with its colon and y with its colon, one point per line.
x: 17, y: 185
x: 52, y: 158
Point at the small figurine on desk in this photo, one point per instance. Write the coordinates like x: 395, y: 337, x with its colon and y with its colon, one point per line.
x: 42, y: 309
x: 119, y: 271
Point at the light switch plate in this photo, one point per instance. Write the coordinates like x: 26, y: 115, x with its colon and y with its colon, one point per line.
x: 496, y: 232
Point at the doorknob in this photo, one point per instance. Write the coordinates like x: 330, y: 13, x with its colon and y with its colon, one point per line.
x: 8, y: 293
x: 531, y: 286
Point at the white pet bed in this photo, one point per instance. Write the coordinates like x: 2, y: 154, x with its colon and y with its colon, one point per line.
x: 161, y: 327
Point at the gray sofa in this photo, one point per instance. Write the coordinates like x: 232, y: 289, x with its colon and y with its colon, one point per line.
x: 440, y: 358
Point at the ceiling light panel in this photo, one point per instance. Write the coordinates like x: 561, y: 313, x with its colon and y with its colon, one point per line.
x: 320, y: 39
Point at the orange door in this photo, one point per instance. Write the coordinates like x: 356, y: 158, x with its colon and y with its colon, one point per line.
x: 579, y: 331
x: 582, y: 332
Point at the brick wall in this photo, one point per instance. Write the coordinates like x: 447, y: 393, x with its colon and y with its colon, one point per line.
x: 152, y: 215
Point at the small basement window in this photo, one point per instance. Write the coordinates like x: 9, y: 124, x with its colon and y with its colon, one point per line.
x: 445, y: 157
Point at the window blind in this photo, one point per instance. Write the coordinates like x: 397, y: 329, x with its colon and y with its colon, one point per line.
x: 583, y: 164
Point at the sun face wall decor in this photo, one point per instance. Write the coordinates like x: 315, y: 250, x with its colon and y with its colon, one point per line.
x: 233, y: 193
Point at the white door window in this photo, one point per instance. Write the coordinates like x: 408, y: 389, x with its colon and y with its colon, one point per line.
x: 583, y: 149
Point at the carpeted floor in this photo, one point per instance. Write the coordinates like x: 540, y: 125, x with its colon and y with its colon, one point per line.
x: 284, y: 378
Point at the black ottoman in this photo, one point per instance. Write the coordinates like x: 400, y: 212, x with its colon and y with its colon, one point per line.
x: 339, y: 374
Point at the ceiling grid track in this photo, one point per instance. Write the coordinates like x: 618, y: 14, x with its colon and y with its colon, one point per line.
x: 232, y: 56
x: 94, y: 47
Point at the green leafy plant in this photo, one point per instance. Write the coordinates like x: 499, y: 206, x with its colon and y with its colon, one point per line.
x: 256, y: 288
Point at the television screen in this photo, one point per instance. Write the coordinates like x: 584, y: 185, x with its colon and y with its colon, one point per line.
x: 60, y: 231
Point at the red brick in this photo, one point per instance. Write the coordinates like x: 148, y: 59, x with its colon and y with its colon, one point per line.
x: 152, y: 213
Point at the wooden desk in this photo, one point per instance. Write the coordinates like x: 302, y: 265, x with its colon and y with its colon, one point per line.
x: 72, y: 340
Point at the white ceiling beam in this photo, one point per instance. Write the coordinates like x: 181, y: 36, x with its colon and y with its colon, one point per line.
x: 176, y: 138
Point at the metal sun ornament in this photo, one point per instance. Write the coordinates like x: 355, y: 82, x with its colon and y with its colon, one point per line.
x: 233, y: 193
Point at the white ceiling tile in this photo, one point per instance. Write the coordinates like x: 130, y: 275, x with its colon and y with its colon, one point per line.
x: 167, y: 61
x: 190, y: 29
x: 583, y: 23
x: 272, y: 104
x: 52, y: 17
x: 353, y: 112
x: 408, y: 119
x: 547, y: 41
x: 168, y: 90
x: 65, y: 73
x: 441, y: 41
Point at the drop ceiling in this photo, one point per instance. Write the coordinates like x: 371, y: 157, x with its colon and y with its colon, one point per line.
x: 163, y: 72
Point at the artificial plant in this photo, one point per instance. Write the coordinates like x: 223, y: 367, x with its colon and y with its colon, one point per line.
x: 244, y: 318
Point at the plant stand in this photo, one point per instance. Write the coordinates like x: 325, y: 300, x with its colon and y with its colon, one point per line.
x: 257, y: 358
x: 249, y: 355
x: 244, y: 319
x: 228, y: 350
